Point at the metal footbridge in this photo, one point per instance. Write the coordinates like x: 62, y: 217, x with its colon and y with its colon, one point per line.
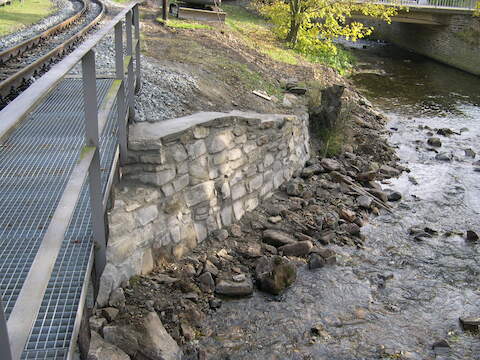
x: 61, y: 142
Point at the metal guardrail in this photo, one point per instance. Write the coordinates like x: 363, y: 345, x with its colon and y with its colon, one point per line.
x: 14, y: 332
x: 435, y: 4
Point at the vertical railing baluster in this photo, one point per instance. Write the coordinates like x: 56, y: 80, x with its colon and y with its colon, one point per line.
x: 130, y: 81
x: 94, y: 175
x: 5, y: 351
x: 136, y: 23
x: 120, y: 75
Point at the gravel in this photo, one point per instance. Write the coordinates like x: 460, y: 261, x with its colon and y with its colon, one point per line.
x: 65, y: 9
x: 164, y: 93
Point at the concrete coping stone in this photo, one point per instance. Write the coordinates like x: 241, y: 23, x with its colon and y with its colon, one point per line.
x: 145, y: 131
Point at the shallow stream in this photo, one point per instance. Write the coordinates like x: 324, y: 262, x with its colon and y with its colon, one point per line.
x: 398, y: 296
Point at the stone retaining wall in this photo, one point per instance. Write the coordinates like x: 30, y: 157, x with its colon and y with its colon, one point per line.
x: 457, y: 43
x: 190, y: 176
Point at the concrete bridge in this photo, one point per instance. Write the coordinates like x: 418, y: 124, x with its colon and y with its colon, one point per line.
x: 444, y: 30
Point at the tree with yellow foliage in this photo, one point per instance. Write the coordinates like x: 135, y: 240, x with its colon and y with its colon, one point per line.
x: 312, y: 25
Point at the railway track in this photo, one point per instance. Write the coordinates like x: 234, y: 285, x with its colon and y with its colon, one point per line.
x: 22, y: 63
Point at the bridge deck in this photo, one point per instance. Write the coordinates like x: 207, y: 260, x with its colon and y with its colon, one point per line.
x: 35, y: 164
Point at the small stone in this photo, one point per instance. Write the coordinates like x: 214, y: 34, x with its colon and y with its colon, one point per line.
x: 379, y: 194
x: 215, y: 303
x: 209, y: 267
x: 293, y: 189
x: 102, y: 350
x: 394, y: 196
x: 347, y: 215
x: 187, y: 331
x: 472, y: 236
x: 271, y: 249
x: 189, y: 269
x: 110, y: 313
x: 275, y: 219
x: 470, y: 323
x: 330, y: 164
x: 234, y: 289
x: 351, y: 228
x: 470, y: 153
x: 327, y: 237
x: 367, y: 176
x: 440, y: 344
x: 97, y: 323
x: 364, y: 201
x: 164, y: 279
x: 443, y: 156
x: 221, y: 234
x: 315, y: 262
x: 277, y: 238
x: 434, y: 141
x: 311, y: 170
x: 389, y: 171
x: 445, y: 132
x: 117, y: 299
x: 239, y: 278
x: 275, y: 274
x: 300, y: 248
x: 236, y: 230
x: 206, y: 281
x: 250, y: 250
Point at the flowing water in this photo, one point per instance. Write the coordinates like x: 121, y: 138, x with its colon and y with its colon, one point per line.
x: 398, y: 296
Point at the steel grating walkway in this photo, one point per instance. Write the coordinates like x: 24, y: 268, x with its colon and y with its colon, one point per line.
x: 35, y: 164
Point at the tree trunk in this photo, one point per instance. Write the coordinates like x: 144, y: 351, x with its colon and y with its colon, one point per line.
x: 294, y: 21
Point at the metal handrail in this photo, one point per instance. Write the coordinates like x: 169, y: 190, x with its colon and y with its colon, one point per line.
x: 430, y: 4
x: 14, y: 333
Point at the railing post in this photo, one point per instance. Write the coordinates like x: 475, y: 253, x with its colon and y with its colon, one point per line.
x: 130, y: 80
x: 136, y: 23
x: 5, y: 351
x: 94, y: 177
x: 120, y: 75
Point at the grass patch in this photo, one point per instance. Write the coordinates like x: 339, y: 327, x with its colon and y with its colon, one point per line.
x: 256, y: 33
x: 181, y: 24
x: 17, y: 15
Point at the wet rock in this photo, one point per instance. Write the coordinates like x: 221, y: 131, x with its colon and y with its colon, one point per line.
x: 206, y: 282
x: 275, y: 274
x: 312, y: 170
x: 379, y: 194
x: 275, y: 219
x: 315, y: 262
x: 330, y: 164
x: 470, y: 323
x: 441, y: 347
x: 470, y: 153
x: 277, y: 238
x: 389, y: 171
x: 215, y: 303
x: 300, y: 248
x: 394, y: 196
x: 117, y: 299
x: 434, y: 141
x: 234, y: 289
x: 472, y: 236
x: 110, y: 313
x: 364, y: 201
x: 347, y: 215
x: 102, y: 350
x: 446, y: 132
x: 328, y: 255
x: 351, y: 228
x: 444, y: 156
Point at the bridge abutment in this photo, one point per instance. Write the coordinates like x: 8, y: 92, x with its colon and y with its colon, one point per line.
x: 455, y: 43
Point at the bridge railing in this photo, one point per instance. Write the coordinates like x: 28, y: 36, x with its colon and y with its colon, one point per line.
x: 440, y: 4
x: 15, y: 331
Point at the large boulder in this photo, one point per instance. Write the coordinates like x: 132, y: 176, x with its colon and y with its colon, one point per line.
x: 275, y: 274
x: 102, y: 350
x: 147, y: 341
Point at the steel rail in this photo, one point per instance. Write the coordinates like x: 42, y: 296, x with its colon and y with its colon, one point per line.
x: 19, y: 77
x: 18, y: 49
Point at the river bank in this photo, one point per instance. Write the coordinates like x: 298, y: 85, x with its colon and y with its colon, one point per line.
x: 344, y: 261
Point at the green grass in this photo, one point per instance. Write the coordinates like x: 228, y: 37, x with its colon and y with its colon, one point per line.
x: 256, y: 33
x: 181, y: 24
x: 16, y: 16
